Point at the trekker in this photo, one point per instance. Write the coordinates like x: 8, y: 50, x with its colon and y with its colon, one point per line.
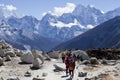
x: 67, y: 59
x: 71, y: 68
x: 63, y: 57
x: 67, y: 66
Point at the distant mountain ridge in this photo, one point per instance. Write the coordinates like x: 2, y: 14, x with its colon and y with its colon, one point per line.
x: 70, y: 25
x: 52, y: 30
x: 105, y: 35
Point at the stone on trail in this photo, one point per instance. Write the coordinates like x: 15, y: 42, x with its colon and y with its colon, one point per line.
x: 27, y: 58
x: 27, y: 74
x: 58, y: 68
x: 44, y: 74
x: 81, y: 74
x: 14, y: 78
x: 38, y: 78
x: 54, y: 54
x: 8, y: 58
x: 37, y: 63
x: 38, y: 54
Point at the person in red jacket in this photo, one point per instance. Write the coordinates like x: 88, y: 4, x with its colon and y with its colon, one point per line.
x: 71, y: 67
x: 67, y: 60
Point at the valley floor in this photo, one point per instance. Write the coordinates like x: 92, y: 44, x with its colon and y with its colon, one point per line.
x: 15, y: 69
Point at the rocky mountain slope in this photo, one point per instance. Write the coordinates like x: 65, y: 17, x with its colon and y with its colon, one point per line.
x: 105, y: 35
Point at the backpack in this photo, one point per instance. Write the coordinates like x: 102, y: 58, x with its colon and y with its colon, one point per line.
x: 71, y: 65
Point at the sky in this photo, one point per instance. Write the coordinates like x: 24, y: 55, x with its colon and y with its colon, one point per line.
x: 38, y: 8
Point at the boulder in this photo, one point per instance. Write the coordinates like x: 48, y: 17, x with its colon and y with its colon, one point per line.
x: 81, y: 74
x: 0, y: 46
x: 58, y: 68
x: 44, y: 74
x: 46, y: 57
x: 18, y: 52
x: 86, y: 62
x: 3, y: 44
x: 94, y: 60
x: 94, y: 78
x: 13, y: 78
x: 37, y: 63
x: 2, y: 54
x: 27, y: 58
x: 1, y: 61
x: 54, y: 54
x: 10, y: 53
x: 104, y: 61
x: 82, y: 55
x: 27, y: 74
x: 8, y: 58
x: 38, y: 54
x: 1, y: 78
x: 38, y: 78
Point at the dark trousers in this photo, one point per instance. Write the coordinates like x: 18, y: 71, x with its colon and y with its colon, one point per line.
x: 71, y: 72
x: 63, y: 59
x: 67, y: 70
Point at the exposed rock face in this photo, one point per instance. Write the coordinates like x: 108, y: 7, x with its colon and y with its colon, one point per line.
x: 1, y: 61
x: 37, y: 63
x: 27, y: 58
x: 106, y: 53
x: 38, y: 54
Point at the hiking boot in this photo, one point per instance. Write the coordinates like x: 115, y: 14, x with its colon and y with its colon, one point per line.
x: 71, y: 76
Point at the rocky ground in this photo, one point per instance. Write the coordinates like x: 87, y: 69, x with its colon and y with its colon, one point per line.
x: 16, y: 69
x: 35, y: 65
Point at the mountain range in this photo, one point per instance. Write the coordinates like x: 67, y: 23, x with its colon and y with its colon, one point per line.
x: 51, y: 30
x: 105, y: 35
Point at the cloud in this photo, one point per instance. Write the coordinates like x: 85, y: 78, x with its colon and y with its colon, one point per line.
x: 10, y: 7
x: 58, y: 11
x: 61, y: 24
x: 2, y: 5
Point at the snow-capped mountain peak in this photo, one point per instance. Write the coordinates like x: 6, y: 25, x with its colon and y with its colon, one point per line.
x: 55, y: 28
